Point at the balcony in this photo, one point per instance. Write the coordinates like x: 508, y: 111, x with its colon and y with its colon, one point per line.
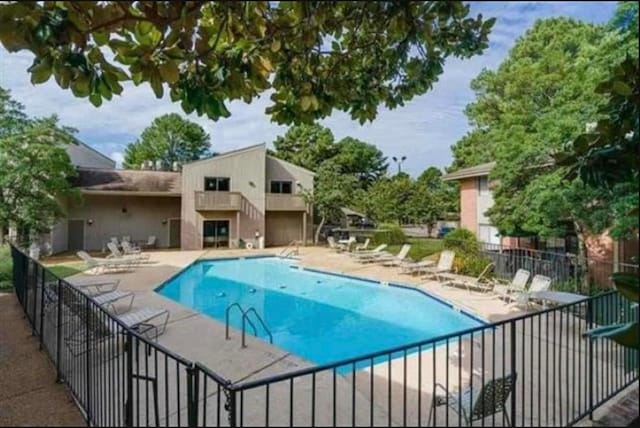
x: 284, y: 202
x: 218, y: 201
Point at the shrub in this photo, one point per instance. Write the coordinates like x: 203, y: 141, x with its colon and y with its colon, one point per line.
x: 470, y: 264
x: 461, y: 241
x: 6, y: 272
x: 390, y: 234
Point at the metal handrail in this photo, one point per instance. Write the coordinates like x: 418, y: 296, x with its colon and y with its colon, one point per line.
x: 245, y: 320
x: 284, y: 253
x: 245, y: 316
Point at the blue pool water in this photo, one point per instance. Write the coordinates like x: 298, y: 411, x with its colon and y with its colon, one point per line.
x: 321, y: 317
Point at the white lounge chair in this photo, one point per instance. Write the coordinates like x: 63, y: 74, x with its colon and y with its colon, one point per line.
x: 333, y: 244
x: 539, y: 283
x: 517, y: 285
x: 445, y: 265
x: 101, y: 264
x: 151, y: 242
x: 129, y: 249
x: 363, y: 247
x: 396, y: 260
x: 416, y: 267
x: 96, y: 286
x: 481, y: 283
x: 117, y: 254
x: 366, y: 253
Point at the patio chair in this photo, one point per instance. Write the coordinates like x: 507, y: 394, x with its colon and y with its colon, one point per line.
x: 108, y: 264
x: 333, y: 244
x: 366, y: 253
x: 363, y: 247
x: 481, y: 283
x: 151, y: 242
x: 517, y: 285
x: 445, y: 265
x: 117, y: 254
x: 416, y: 267
x: 96, y: 286
x: 106, y: 299
x: 126, y: 238
x: 114, y: 240
x: 539, y: 283
x: 491, y: 400
x: 396, y: 260
x: 129, y: 249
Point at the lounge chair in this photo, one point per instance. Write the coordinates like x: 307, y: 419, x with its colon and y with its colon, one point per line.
x: 539, y: 283
x: 363, y: 247
x: 366, y: 253
x: 106, y: 299
x: 333, y: 244
x: 517, y: 285
x: 445, y: 265
x: 416, y: 267
x: 396, y: 260
x: 96, y: 286
x: 108, y: 264
x: 117, y: 254
x: 151, y: 242
x: 481, y: 283
x: 129, y: 249
x: 491, y: 400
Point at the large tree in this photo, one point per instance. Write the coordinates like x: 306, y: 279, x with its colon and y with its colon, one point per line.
x: 364, y: 161
x: 540, y: 97
x: 34, y: 169
x: 313, y: 56
x: 170, y: 138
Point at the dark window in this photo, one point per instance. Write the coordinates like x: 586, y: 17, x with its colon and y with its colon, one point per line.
x: 281, y: 187
x: 219, y: 184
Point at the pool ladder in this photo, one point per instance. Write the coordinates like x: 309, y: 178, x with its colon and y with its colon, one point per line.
x: 245, y: 321
x: 292, y: 249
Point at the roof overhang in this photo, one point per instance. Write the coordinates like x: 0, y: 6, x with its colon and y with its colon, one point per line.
x: 471, y: 172
x: 130, y: 193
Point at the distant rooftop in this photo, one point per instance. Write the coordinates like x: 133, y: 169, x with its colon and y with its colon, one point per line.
x: 96, y: 180
x: 473, y: 171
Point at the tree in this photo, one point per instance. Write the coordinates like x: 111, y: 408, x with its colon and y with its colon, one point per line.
x: 332, y: 191
x: 12, y: 116
x: 540, y: 97
x: 313, y: 56
x: 307, y: 146
x: 35, y: 171
x: 364, y: 161
x: 168, y: 139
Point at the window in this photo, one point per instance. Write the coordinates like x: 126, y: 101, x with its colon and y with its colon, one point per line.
x: 281, y: 187
x: 217, y: 184
x: 483, y: 185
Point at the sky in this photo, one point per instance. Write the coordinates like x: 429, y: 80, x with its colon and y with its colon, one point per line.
x: 423, y: 130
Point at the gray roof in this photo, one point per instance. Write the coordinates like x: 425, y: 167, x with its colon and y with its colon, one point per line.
x: 473, y: 171
x: 128, y: 180
x: 348, y: 211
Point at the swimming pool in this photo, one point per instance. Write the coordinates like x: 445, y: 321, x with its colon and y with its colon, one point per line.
x: 321, y: 317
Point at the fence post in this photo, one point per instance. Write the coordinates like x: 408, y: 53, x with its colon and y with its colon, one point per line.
x: 34, y: 295
x: 42, y: 281
x: 128, y: 412
x: 230, y: 405
x: 59, y: 333
x: 192, y: 395
x: 590, y: 356
x: 87, y: 327
x: 513, y: 372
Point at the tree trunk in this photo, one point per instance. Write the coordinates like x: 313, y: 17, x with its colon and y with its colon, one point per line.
x: 582, y: 262
x: 316, y: 237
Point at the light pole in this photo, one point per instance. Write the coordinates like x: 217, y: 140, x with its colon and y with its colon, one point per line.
x: 399, y: 162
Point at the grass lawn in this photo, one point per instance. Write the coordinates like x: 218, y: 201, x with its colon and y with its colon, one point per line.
x: 6, y: 272
x: 64, y: 270
x: 420, y: 247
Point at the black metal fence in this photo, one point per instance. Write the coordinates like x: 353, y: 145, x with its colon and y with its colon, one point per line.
x: 534, y: 370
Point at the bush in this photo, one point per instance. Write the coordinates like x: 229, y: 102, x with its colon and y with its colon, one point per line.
x: 6, y: 272
x: 471, y: 264
x: 461, y: 241
x: 390, y: 234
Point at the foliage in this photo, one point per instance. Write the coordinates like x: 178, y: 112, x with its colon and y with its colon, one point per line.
x: 461, y: 241
x: 12, y: 116
x: 332, y: 190
x: 170, y: 138
x: 6, y: 268
x: 307, y: 146
x: 625, y: 18
x: 313, y: 56
x: 606, y: 156
x: 540, y: 97
x: 471, y: 264
x: 365, y: 161
x: 64, y: 270
x: 390, y: 234
x: 420, y: 248
x: 34, y: 170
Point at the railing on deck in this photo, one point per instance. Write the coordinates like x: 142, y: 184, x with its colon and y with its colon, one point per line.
x: 119, y: 377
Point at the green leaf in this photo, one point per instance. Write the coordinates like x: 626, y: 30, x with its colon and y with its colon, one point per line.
x: 40, y: 73
x: 169, y: 71
x: 305, y: 102
x: 101, y: 38
x: 95, y: 99
x: 156, y: 85
x: 622, y: 88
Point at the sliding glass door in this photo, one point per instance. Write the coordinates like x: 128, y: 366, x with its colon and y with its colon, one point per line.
x: 215, y: 234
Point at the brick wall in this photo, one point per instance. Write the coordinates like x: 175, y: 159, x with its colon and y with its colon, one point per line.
x: 468, y: 204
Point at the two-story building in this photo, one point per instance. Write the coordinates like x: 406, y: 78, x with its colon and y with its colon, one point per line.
x: 227, y: 200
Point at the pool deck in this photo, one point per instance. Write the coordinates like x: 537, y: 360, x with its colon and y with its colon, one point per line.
x: 201, y: 338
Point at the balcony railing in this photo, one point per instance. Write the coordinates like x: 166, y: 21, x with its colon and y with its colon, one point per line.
x: 284, y: 202
x: 218, y: 201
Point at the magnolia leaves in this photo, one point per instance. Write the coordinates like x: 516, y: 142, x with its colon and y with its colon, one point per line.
x: 314, y: 56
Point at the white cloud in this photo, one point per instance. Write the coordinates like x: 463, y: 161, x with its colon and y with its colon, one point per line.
x: 423, y: 130
x: 118, y: 157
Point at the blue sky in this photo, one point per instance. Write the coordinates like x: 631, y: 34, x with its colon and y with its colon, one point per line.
x: 423, y: 130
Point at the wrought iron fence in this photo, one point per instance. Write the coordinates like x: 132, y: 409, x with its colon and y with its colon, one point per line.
x: 533, y: 370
